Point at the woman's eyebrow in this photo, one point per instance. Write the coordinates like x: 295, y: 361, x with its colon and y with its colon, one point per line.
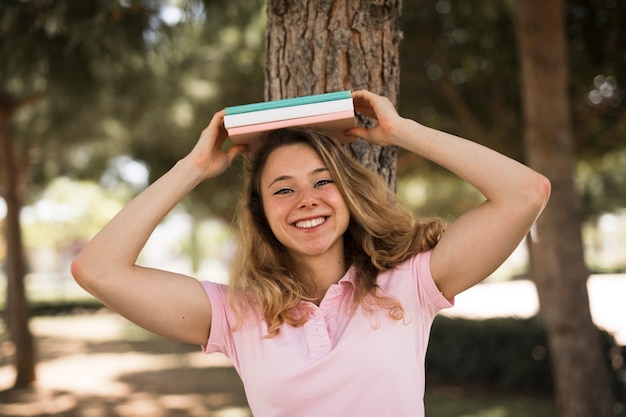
x: 288, y: 177
x: 279, y: 178
x: 318, y: 170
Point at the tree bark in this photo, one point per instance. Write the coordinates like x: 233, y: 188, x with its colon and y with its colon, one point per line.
x: 17, y: 309
x: 579, y: 366
x: 317, y: 46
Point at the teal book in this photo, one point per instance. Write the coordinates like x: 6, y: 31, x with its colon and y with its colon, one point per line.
x: 288, y: 102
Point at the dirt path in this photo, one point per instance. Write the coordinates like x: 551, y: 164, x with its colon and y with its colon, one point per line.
x: 102, y: 366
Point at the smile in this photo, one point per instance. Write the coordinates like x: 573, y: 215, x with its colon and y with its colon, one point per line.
x: 307, y: 224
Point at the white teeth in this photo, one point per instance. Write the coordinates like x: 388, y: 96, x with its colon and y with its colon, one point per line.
x: 305, y: 224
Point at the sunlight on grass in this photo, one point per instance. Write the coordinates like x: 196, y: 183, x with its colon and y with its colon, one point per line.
x: 233, y: 412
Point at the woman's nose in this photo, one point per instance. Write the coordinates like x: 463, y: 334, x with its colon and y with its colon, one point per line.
x: 307, y: 199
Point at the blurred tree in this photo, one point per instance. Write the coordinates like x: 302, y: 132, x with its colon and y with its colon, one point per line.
x: 463, y: 60
x: 459, y: 73
x: 57, y: 58
x: 17, y: 308
x: 321, y: 46
x: 217, y: 61
x: 581, y: 378
x: 84, y: 82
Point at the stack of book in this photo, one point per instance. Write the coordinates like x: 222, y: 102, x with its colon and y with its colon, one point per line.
x: 331, y: 113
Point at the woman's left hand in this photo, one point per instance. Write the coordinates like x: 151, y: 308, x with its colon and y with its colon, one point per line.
x: 380, y: 109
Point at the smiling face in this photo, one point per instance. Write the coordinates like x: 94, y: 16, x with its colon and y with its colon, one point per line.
x: 302, y: 204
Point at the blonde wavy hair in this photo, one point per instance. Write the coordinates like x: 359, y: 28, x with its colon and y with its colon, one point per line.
x: 382, y: 233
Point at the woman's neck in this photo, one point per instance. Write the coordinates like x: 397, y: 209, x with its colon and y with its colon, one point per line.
x: 325, y: 271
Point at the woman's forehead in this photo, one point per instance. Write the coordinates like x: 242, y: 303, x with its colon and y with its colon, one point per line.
x: 292, y: 160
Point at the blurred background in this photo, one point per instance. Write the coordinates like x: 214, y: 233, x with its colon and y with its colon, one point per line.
x: 97, y: 99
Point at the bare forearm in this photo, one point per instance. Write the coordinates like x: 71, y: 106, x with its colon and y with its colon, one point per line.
x: 493, y: 174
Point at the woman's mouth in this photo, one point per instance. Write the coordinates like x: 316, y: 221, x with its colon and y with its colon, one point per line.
x: 308, y: 224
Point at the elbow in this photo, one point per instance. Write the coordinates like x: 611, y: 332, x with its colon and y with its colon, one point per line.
x: 78, y: 270
x: 539, y: 193
x: 545, y: 188
x: 81, y: 272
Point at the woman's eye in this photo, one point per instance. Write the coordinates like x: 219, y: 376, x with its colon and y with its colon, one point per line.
x: 282, y: 191
x: 323, y: 182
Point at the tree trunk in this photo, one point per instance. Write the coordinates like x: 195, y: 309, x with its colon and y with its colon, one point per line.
x: 579, y: 365
x: 17, y: 310
x: 317, y: 46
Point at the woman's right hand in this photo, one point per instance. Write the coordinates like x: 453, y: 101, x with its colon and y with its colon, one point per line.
x: 207, y: 155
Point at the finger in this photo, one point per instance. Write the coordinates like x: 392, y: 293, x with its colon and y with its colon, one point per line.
x: 359, y: 132
x: 235, y: 151
x: 361, y: 94
x: 217, y: 128
x: 364, y: 107
x: 219, y: 116
x: 211, y: 128
x: 216, y: 121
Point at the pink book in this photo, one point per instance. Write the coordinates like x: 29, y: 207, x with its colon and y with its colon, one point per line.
x: 333, y: 124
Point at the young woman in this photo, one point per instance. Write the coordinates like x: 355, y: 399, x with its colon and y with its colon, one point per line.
x: 334, y: 286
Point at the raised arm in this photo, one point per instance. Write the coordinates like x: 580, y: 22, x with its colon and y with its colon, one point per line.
x: 165, y: 303
x: 480, y: 240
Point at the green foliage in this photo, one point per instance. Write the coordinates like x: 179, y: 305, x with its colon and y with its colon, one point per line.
x: 597, y: 46
x: 63, y: 62
x: 436, y: 193
x: 98, y: 79
x: 456, y: 401
x: 506, y: 354
x: 66, y: 308
x: 217, y: 61
x: 601, y: 182
x: 499, y: 353
x: 68, y: 212
x: 89, y: 81
x: 458, y: 63
x: 460, y: 74
x: 65, y: 51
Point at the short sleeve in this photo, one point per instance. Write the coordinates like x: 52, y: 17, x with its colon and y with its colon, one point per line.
x: 219, y: 318
x: 426, y: 284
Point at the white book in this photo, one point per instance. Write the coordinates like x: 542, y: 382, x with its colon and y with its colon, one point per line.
x: 333, y: 124
x: 286, y: 113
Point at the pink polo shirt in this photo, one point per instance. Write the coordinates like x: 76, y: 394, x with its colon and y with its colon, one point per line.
x: 342, y: 362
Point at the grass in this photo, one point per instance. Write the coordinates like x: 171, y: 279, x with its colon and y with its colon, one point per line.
x: 459, y: 402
